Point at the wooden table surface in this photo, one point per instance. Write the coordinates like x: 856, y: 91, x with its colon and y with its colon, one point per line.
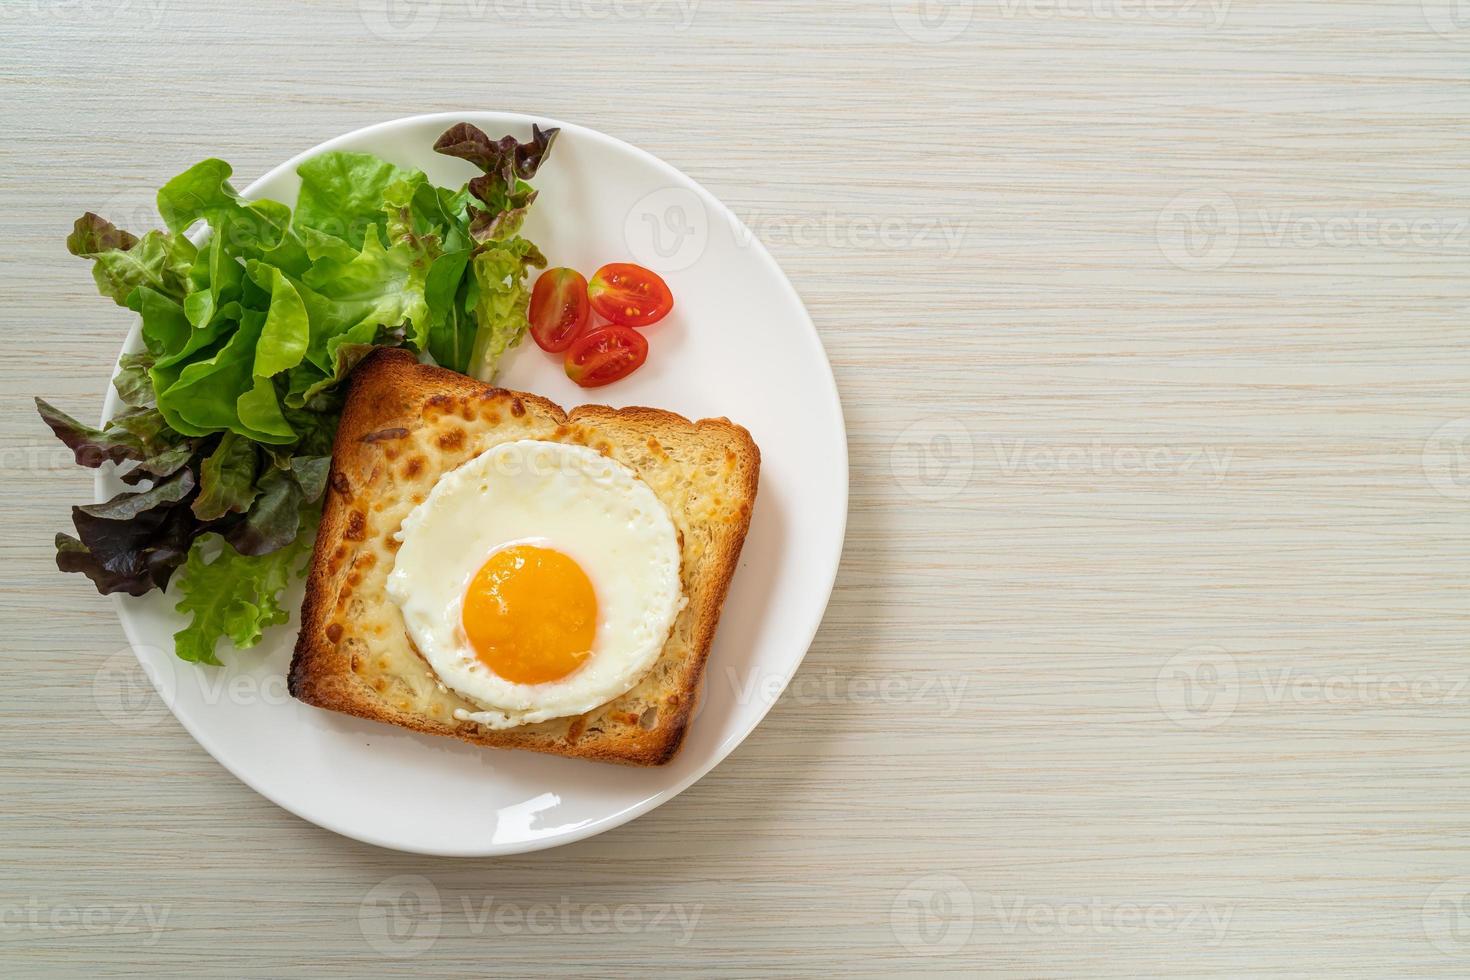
x: 1148, y: 650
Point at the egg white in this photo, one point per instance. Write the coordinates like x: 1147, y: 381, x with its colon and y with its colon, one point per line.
x: 566, y: 497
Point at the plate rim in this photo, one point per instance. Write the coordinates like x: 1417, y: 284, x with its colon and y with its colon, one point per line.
x: 722, y: 751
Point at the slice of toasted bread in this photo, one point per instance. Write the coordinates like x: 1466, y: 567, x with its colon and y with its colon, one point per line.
x: 404, y: 425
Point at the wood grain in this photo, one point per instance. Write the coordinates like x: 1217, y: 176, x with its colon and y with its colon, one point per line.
x: 1147, y: 655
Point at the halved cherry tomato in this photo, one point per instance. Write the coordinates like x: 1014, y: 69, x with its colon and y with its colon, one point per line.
x: 630, y: 294
x: 559, y: 309
x: 605, y: 355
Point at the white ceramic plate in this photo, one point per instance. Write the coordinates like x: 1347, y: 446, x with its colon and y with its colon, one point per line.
x: 738, y: 344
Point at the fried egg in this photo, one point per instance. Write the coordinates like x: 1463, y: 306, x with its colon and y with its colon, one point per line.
x: 538, y: 580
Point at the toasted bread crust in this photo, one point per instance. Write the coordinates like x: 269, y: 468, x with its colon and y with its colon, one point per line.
x: 395, y: 401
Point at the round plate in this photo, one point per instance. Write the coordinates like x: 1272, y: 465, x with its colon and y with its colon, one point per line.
x: 738, y: 344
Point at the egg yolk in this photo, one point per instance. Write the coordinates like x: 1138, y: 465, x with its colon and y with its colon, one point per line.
x: 530, y: 614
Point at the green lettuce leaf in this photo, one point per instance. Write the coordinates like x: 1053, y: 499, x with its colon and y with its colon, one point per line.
x: 247, y: 229
x: 166, y: 330
x: 233, y: 596
x: 342, y: 197
x: 500, y: 307
x: 122, y: 263
x: 261, y: 417
x: 216, y: 281
x: 133, y: 384
x: 452, y: 318
x: 227, y: 479
x: 275, y: 517
x: 429, y: 218
x: 234, y: 404
x: 379, y: 287
x: 284, y: 337
x: 203, y: 397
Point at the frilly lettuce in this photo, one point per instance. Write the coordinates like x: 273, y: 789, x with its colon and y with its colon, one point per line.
x: 247, y: 337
